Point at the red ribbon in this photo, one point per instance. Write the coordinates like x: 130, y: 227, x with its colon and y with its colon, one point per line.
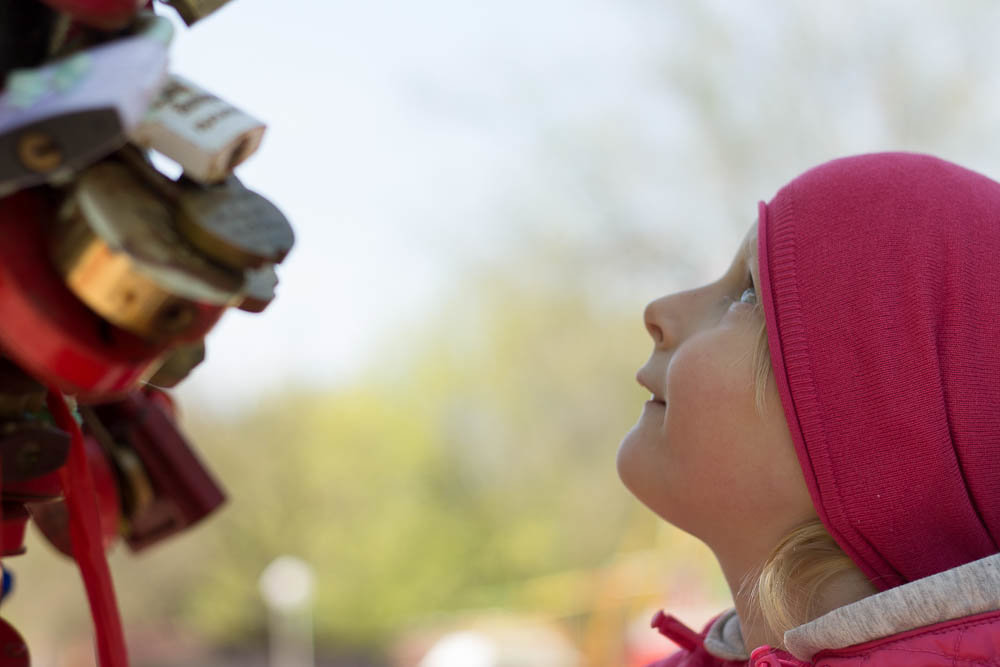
x: 85, y: 536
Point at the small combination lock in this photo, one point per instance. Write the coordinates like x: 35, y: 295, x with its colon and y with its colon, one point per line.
x: 111, y: 276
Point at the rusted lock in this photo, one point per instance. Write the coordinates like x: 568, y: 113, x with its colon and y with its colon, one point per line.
x: 205, y: 134
x: 117, y: 247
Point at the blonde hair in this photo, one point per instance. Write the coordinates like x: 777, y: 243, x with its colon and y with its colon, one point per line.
x: 790, y: 583
x: 791, y: 579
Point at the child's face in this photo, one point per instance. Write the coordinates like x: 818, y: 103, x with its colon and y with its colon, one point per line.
x: 700, y: 456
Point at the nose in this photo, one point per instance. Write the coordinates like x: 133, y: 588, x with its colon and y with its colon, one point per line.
x: 670, y: 319
x: 661, y: 321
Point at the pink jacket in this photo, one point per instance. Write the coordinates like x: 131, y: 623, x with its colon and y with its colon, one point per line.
x: 951, y: 618
x: 973, y: 640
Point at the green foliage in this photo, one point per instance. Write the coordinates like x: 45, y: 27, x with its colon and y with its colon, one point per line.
x: 478, y: 453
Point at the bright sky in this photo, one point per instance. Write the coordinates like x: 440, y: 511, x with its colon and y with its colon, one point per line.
x: 405, y: 138
x: 392, y: 128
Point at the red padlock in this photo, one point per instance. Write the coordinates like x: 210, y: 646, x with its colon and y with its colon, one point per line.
x: 103, y: 14
x: 46, y: 329
x: 183, y: 491
x: 52, y: 518
x: 37, y: 490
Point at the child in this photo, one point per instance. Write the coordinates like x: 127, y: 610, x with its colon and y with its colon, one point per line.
x: 826, y: 418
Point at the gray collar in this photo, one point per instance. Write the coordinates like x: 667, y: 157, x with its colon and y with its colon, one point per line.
x: 969, y: 589
x: 725, y: 638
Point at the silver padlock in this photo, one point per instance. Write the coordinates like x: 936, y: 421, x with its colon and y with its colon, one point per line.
x: 229, y: 223
x: 65, y: 115
x: 205, y: 134
x: 259, y: 290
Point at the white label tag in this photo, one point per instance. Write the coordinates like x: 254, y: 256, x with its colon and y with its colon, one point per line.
x: 205, y: 134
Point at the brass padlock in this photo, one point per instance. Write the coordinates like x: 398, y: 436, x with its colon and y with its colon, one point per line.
x: 205, y: 134
x: 192, y: 11
x: 117, y: 247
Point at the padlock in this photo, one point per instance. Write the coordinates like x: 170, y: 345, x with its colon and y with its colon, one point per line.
x: 102, y: 14
x: 259, y: 291
x: 60, y: 117
x: 46, y: 330
x: 40, y: 489
x: 117, y: 248
x: 136, y: 490
x: 184, y: 490
x: 231, y: 224
x: 192, y: 11
x: 179, y: 362
x: 206, y: 135
x: 30, y: 448
x: 19, y: 392
x: 52, y: 518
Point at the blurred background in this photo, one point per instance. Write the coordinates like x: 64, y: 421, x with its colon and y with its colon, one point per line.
x: 486, y: 195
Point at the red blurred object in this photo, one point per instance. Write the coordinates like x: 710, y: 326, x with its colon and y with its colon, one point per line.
x: 53, y: 517
x: 39, y: 489
x: 85, y: 535
x: 103, y: 14
x: 15, y: 520
x: 163, y: 399
x: 13, y: 650
x: 184, y: 490
x: 46, y: 329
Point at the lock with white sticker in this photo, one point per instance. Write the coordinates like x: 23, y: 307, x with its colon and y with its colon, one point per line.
x: 205, y: 134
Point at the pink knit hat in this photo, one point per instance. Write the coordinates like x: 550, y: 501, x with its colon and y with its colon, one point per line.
x: 881, y: 288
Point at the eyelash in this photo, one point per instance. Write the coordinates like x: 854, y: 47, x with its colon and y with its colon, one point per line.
x: 752, y: 289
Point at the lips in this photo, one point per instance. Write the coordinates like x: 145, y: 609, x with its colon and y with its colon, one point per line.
x: 656, y: 397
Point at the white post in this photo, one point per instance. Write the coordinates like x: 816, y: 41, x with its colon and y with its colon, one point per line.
x: 287, y: 588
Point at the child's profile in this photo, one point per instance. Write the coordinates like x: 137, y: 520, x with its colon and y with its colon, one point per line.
x: 826, y: 418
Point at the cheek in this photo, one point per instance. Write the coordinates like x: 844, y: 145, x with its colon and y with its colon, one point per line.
x: 676, y: 460
x: 711, y: 407
x: 725, y: 460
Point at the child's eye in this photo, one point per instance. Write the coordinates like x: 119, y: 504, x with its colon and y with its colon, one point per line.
x: 748, y: 296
